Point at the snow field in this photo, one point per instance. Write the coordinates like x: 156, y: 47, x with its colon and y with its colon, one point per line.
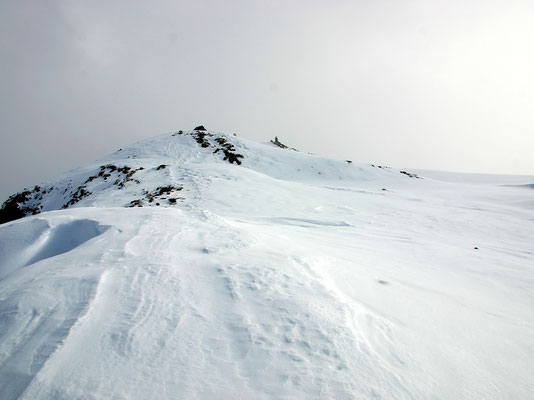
x: 271, y: 281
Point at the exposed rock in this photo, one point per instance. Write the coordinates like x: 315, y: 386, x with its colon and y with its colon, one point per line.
x: 278, y: 143
x: 15, y: 206
x: 410, y: 174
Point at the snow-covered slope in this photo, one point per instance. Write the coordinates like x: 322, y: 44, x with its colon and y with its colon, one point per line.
x: 202, y: 265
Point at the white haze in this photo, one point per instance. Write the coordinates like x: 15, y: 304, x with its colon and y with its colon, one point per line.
x: 426, y: 84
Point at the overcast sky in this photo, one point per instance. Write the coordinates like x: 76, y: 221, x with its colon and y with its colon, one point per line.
x: 429, y: 84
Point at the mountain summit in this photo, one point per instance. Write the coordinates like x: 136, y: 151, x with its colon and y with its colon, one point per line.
x: 159, y: 168
x: 203, y: 265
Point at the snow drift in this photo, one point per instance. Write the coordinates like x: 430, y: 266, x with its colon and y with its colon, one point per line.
x: 202, y: 265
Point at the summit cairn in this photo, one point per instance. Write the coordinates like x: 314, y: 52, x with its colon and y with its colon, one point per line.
x: 278, y: 143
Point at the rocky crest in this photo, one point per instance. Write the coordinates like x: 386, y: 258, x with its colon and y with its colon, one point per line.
x: 137, y: 180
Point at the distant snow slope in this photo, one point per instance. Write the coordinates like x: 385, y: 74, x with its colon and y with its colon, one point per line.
x: 264, y: 273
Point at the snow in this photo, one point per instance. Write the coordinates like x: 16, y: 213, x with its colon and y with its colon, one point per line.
x: 288, y: 276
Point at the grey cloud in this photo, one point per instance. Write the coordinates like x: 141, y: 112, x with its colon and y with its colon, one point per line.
x: 409, y: 83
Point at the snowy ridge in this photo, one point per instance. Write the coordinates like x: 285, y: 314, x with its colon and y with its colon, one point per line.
x: 156, y: 169
x: 285, y: 275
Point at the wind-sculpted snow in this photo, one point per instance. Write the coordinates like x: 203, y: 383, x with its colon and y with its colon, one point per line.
x: 269, y: 280
x: 42, y: 301
x: 36, y: 240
